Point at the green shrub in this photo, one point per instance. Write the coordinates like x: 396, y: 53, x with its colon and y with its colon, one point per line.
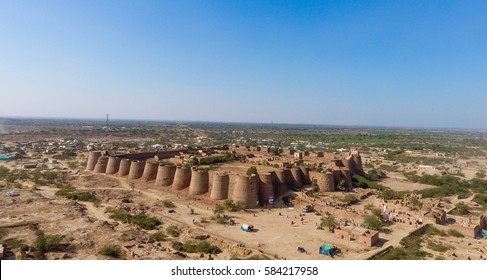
x: 233, y: 206
x: 480, y: 174
x: 258, y: 258
x: 46, y: 243
x: 113, y: 251
x: 455, y: 233
x: 157, y: 236
x: 349, y: 199
x: 168, y: 203
x: 481, y: 199
x: 402, y: 254
x: 218, y: 210
x: 251, y: 171
x: 217, y: 159
x: 3, y: 232
x: 373, y: 222
x: 141, y: 220
x: 411, y: 250
x: 200, y: 247
x: 411, y: 242
x: 68, y: 192
x: 13, y: 243
x: 176, y: 245
x: 478, y: 185
x: 431, y: 230
x: 329, y: 222
x: 461, y: 208
x: 173, y: 231
x: 119, y: 214
x: 145, y: 222
x: 437, y: 246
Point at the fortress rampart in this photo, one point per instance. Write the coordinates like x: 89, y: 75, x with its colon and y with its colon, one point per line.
x: 165, y: 175
x: 220, y: 188
x: 199, y: 182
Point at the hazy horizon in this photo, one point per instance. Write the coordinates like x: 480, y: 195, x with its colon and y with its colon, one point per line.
x: 117, y: 121
x: 339, y: 63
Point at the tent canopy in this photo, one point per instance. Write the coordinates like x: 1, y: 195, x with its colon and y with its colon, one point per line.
x: 327, y: 249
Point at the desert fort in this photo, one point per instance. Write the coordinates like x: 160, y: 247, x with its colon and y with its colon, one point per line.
x: 209, y: 191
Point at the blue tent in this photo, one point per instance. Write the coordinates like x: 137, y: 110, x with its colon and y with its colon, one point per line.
x: 328, y: 250
x: 484, y: 233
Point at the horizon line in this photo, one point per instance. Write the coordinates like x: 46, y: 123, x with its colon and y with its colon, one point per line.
x: 251, y: 123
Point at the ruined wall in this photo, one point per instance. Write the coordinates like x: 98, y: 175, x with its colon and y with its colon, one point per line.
x: 136, y: 169
x: 288, y: 178
x: 348, y: 163
x: 148, y: 155
x: 221, y: 184
x: 337, y: 174
x: 342, y: 234
x: 124, y: 167
x: 470, y: 232
x: 92, y: 160
x: 246, y: 190
x: 280, y: 183
x: 165, y: 175
x: 296, y: 178
x: 356, y: 162
x: 330, y: 182
x: 200, y: 181
x: 305, y: 175
x: 101, y: 165
x: 266, y: 187
x: 346, y: 175
x: 113, y: 165
x: 182, y: 178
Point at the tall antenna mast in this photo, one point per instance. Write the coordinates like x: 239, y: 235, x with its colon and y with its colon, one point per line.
x: 107, y: 121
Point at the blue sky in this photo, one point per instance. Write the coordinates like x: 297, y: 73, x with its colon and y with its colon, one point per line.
x: 392, y: 63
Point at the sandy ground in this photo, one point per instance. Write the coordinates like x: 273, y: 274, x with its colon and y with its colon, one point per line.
x: 87, y: 228
x: 399, y: 185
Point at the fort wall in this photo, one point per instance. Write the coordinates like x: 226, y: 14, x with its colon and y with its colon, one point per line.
x: 136, y: 169
x: 306, y: 180
x: 150, y: 171
x: 220, y: 188
x: 92, y: 160
x: 266, y: 187
x: 199, y: 182
x: 113, y: 165
x: 246, y: 190
x: 280, y: 182
x: 101, y: 165
x: 182, y: 178
x: 296, y: 178
x: 165, y: 175
x: 124, y: 167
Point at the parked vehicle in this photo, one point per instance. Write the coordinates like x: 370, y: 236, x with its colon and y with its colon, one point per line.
x: 247, y: 228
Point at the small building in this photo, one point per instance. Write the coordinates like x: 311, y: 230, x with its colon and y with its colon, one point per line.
x: 468, y: 226
x: 359, y: 234
x: 435, y: 215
